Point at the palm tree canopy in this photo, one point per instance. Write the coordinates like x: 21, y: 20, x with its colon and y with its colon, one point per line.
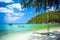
x: 38, y: 4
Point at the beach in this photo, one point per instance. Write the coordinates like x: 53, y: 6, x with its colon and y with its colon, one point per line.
x: 18, y: 33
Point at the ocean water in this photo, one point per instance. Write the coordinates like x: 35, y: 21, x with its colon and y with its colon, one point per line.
x: 7, y: 30
x: 24, y: 27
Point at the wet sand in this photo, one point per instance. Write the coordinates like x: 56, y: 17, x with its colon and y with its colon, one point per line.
x: 24, y: 35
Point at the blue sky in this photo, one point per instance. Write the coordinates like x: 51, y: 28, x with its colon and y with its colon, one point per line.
x: 11, y: 12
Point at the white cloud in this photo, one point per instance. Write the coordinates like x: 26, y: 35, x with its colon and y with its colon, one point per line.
x: 6, y: 1
x: 51, y: 9
x: 15, y: 5
x: 11, y: 14
x: 6, y: 10
x: 12, y: 17
x: 10, y: 8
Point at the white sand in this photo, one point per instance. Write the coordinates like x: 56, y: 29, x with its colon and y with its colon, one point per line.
x: 24, y: 35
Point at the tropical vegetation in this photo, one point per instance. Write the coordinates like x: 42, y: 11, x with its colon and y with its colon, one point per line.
x: 53, y: 17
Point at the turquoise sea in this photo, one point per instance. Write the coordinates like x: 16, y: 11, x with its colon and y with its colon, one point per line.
x: 24, y: 27
x: 21, y: 31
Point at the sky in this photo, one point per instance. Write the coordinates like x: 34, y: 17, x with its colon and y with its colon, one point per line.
x: 11, y: 12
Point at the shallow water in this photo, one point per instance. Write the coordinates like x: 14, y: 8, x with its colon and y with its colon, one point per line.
x: 22, y: 31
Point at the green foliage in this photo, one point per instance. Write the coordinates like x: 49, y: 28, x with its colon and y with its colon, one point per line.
x: 54, y: 17
x: 38, y: 4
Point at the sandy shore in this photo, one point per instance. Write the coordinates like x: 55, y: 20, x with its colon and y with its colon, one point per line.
x: 25, y: 35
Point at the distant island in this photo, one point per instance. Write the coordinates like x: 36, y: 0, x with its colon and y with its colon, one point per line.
x: 53, y: 17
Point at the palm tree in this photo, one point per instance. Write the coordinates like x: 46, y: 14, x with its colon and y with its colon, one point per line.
x: 38, y: 4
